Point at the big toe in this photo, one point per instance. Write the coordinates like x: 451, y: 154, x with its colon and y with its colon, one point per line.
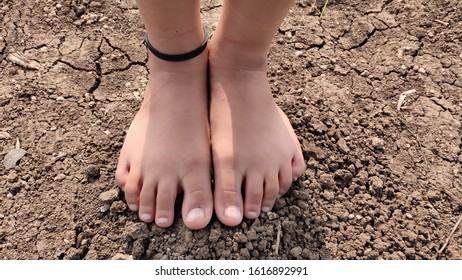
x: 197, y: 207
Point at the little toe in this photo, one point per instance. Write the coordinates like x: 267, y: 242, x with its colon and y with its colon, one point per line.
x: 121, y: 174
x: 165, y: 202
x: 132, y: 190
x: 298, y: 165
x: 253, y: 196
x: 227, y: 196
x: 197, y: 207
x: 147, y: 201
x: 270, y: 192
x: 285, y: 178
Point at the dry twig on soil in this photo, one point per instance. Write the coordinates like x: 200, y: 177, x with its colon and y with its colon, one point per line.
x: 323, y: 9
x: 19, y: 59
x: 440, y: 251
x: 278, y: 240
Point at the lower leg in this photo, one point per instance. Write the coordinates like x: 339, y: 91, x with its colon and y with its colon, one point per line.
x: 174, y: 26
x: 167, y: 147
x: 246, y: 30
x: 253, y: 143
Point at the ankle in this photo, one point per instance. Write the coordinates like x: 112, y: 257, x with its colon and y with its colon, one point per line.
x: 228, y: 54
x: 197, y: 64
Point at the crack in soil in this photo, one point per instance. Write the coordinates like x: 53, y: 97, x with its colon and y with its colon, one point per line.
x: 130, y: 64
x: 98, y: 71
x: 362, y: 43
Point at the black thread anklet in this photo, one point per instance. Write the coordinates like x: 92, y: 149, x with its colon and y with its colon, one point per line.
x: 177, y: 57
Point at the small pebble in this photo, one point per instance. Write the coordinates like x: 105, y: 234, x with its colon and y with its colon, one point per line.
x: 240, y: 237
x: 118, y: 207
x: 4, y: 135
x: 92, y: 173
x: 328, y: 194
x: 104, y: 208
x: 296, y: 251
x: 11, y: 159
x: 60, y: 177
x: 215, y: 235
x: 123, y: 257
x: 377, y: 143
x: 80, y: 10
x: 342, y: 146
x: 109, y: 196
x: 272, y: 216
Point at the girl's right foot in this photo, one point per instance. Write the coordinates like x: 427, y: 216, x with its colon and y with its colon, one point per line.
x: 167, y: 147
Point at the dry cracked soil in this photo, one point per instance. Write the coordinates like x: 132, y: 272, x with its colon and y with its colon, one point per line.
x: 381, y: 183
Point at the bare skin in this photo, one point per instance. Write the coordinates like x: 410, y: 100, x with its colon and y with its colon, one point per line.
x: 253, y: 144
x: 167, y: 148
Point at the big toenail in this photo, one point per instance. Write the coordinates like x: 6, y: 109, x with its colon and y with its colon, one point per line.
x: 265, y: 209
x: 146, y: 217
x: 233, y: 212
x: 133, y: 207
x: 252, y: 214
x: 195, y: 214
x: 162, y: 220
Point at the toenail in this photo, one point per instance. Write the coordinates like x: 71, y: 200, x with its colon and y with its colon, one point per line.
x: 252, y: 214
x: 162, y: 220
x: 146, y: 217
x: 265, y: 209
x: 233, y: 212
x: 195, y: 214
x: 133, y: 207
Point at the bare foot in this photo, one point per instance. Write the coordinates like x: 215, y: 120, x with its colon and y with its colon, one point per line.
x: 253, y: 144
x: 167, y: 148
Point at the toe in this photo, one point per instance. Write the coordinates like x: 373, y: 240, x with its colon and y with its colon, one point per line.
x: 227, y: 196
x: 132, y: 190
x: 147, y: 201
x: 298, y: 164
x: 285, y: 178
x: 121, y: 174
x: 165, y: 202
x: 197, y: 207
x: 270, y: 192
x: 253, y: 196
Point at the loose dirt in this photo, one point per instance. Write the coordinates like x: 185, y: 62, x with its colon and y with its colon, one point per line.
x: 381, y: 183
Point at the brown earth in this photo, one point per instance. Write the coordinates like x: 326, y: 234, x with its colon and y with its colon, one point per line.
x: 380, y: 183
